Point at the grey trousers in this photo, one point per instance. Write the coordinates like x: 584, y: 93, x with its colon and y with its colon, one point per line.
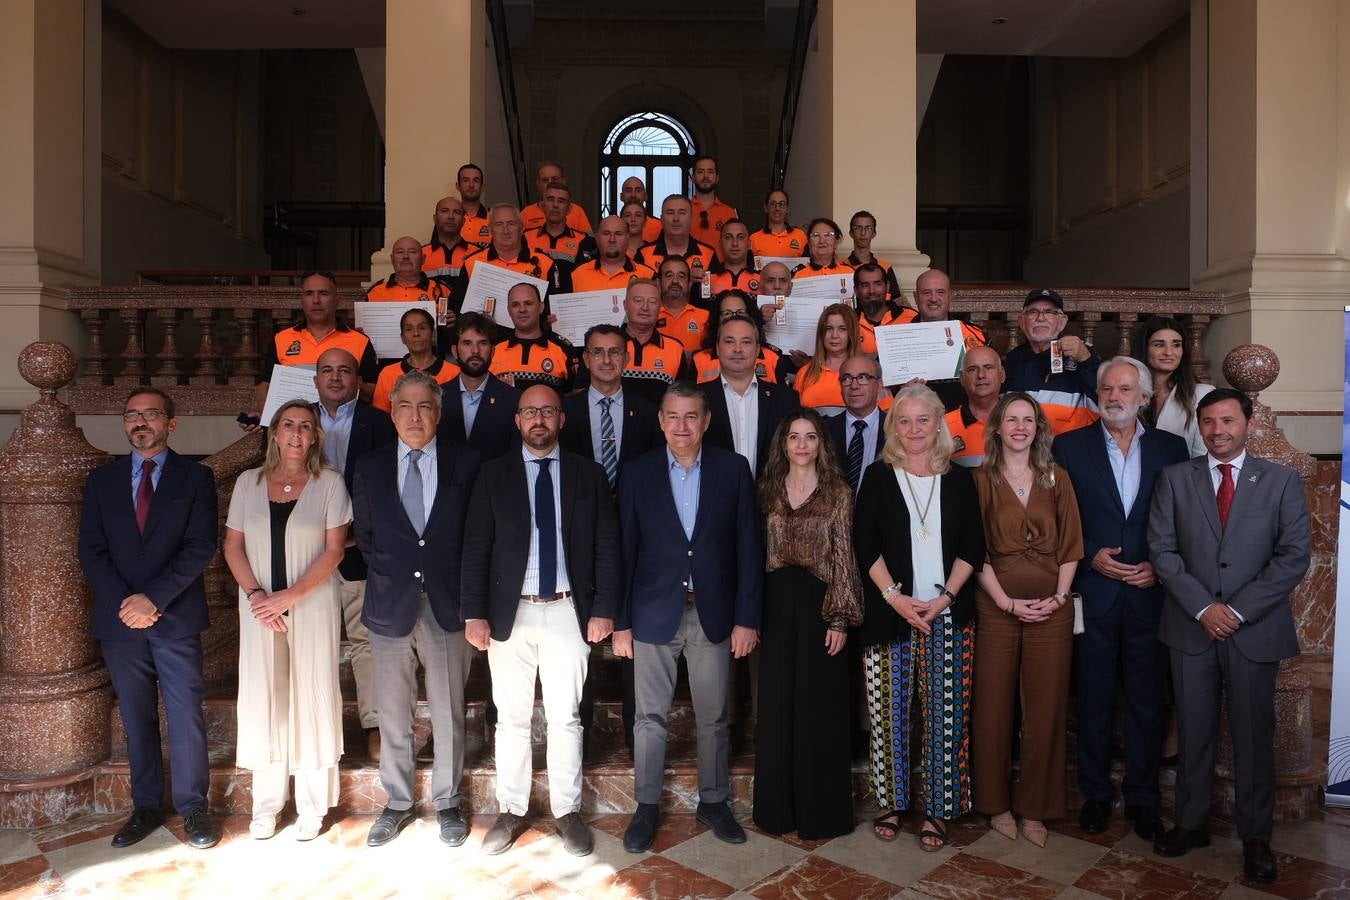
x: 1199, y: 681
x: 351, y: 594
x: 445, y: 655
x: 654, y: 669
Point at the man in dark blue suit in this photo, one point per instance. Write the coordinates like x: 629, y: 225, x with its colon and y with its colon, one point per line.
x: 1113, y: 465
x: 693, y: 586
x: 408, y: 509
x: 351, y: 429
x: 477, y: 407
x: 148, y: 529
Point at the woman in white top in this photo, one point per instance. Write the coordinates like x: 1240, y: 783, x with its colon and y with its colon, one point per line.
x: 1162, y: 346
x: 284, y: 537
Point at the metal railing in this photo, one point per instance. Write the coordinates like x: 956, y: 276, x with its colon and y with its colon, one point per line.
x: 801, y: 44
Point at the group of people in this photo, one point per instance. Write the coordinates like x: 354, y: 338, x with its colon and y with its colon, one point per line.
x: 951, y: 557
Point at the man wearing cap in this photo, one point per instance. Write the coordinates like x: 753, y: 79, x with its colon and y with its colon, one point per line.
x: 1069, y: 397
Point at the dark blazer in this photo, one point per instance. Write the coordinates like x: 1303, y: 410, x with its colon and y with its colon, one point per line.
x: 394, y: 551
x: 165, y: 563
x: 776, y: 403
x: 1252, y: 565
x: 881, y: 527
x: 725, y: 554
x: 641, y: 432
x: 1082, y: 453
x: 837, y: 425
x: 494, y: 427
x: 498, y: 545
x: 371, y: 429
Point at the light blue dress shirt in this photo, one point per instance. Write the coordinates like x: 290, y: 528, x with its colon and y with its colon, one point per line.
x: 137, y: 462
x: 1125, y: 468
x: 337, y: 433
x: 684, y: 485
x: 593, y: 398
x: 469, y: 402
x: 426, y: 465
x: 531, y: 583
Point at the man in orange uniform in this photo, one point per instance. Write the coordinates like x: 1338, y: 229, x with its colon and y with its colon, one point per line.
x: 533, y: 216
x: 654, y: 361
x: 679, y: 318
x: 611, y: 269
x: 443, y: 256
x: 675, y: 239
x: 733, y: 268
x: 874, y: 309
x: 710, y: 213
x: 408, y: 283
x: 469, y: 183
x: 982, y: 379
x: 508, y: 250
x: 532, y: 354
x: 862, y: 228
x: 933, y: 294
x: 555, y: 238
x: 634, y: 191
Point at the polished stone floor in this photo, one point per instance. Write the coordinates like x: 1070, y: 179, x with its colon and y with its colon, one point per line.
x: 76, y: 859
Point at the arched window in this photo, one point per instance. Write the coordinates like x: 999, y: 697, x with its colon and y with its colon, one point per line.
x: 653, y: 146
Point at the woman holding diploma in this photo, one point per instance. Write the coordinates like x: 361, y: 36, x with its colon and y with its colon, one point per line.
x: 817, y: 380
x: 417, y: 330
x: 812, y: 597
x: 919, y: 541
x: 1035, y: 541
x: 822, y: 240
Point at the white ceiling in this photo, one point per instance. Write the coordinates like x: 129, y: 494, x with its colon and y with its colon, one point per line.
x: 1032, y: 27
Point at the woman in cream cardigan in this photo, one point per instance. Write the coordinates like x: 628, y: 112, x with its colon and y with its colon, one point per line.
x: 285, y: 535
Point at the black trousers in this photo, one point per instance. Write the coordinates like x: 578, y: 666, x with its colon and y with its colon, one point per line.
x: 803, y: 779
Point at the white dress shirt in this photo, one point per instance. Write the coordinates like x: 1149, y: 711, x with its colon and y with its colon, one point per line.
x: 593, y: 398
x: 743, y: 410
x: 531, y: 583
x: 426, y: 465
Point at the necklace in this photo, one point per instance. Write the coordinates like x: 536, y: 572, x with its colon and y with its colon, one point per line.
x: 922, y: 531
x: 1021, y: 491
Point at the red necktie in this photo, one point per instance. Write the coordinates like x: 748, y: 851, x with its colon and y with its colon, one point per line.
x: 145, y: 492
x: 1226, y: 491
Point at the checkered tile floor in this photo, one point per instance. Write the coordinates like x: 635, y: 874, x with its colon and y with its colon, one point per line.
x: 687, y: 861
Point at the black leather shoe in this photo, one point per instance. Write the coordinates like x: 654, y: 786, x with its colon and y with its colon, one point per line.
x: 201, y: 831
x: 503, y: 833
x: 1094, y: 816
x: 454, y: 830
x: 641, y: 833
x: 1258, y: 863
x: 576, y: 836
x: 144, y: 819
x: 1180, y: 841
x: 718, y: 817
x: 387, y: 826
x: 1146, y: 822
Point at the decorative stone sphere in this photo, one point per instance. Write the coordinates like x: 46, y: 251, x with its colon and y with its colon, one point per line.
x: 1251, y: 368
x: 47, y: 365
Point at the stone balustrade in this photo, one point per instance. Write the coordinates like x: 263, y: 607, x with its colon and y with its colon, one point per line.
x: 203, y: 344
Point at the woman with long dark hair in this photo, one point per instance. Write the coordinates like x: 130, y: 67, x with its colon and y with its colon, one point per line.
x: 1162, y: 346
x: 812, y: 597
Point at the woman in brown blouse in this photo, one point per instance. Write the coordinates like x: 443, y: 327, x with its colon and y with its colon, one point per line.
x: 803, y: 780
x: 1035, y: 541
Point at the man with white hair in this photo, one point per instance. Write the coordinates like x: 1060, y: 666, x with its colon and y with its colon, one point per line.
x: 1113, y: 464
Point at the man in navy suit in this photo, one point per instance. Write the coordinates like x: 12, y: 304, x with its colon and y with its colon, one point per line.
x: 859, y: 432
x: 148, y: 529
x: 744, y: 410
x: 694, y: 586
x: 408, y: 509
x: 351, y: 429
x: 477, y: 407
x: 1113, y: 465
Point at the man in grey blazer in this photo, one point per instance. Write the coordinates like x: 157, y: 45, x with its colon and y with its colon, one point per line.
x: 1230, y: 539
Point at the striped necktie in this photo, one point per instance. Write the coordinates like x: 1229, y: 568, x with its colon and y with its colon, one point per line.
x: 609, y: 454
x: 855, y: 455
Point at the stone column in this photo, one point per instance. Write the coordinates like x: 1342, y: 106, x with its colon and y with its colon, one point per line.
x: 857, y: 128
x: 50, y: 173
x: 1272, y: 140
x: 54, y: 693
x: 435, y: 99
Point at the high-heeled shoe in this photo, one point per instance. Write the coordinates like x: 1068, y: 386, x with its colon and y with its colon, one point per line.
x: 1035, y: 832
x: 1004, y: 824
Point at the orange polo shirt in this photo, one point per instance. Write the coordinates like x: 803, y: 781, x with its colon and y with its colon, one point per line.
x: 590, y: 277
x: 536, y: 265
x: 968, y: 433
x: 717, y: 215
x: 390, y: 290
x: 654, y: 366
x: 651, y: 229
x: 688, y: 327
x: 566, y: 247
x: 654, y: 254
x: 839, y: 267
x: 867, y: 332
x: 791, y: 242
x: 826, y: 390
x: 532, y: 216
x: 708, y: 368
x: 296, y: 346
x: 438, y: 264
x: 722, y: 279
x: 476, y: 228
x: 542, y: 360
x: 442, y: 370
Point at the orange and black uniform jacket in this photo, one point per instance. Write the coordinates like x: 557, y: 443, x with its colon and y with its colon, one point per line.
x: 476, y: 229
x: 688, y: 327
x: 570, y: 247
x: 892, y: 282
x: 840, y: 267
x: 443, y: 264
x: 891, y: 315
x: 442, y: 370
x: 722, y: 279
x: 716, y: 216
x: 771, y: 366
x: 532, y: 217
x: 968, y: 433
x: 827, y: 391
x: 654, y: 366
x: 390, y: 290
x: 547, y: 359
x: 590, y: 277
x: 295, y: 346
x: 651, y: 229
x: 536, y: 265
x: 972, y: 335
x: 791, y: 242
x: 654, y: 253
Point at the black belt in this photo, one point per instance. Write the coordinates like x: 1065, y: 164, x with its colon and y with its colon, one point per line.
x: 546, y: 598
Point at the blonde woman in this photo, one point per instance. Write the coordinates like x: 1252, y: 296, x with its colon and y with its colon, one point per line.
x: 919, y: 541
x: 1034, y: 541
x: 284, y: 537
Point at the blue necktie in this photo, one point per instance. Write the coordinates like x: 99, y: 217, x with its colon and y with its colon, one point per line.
x: 546, y: 521
x: 855, y: 456
x: 608, y: 454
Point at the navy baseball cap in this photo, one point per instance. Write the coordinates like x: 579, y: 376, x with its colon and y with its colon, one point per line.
x: 1044, y: 294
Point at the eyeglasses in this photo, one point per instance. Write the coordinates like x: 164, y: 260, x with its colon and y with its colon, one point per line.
x: 862, y: 379
x: 1040, y: 312
x: 822, y: 235
x: 149, y: 415
x: 864, y: 228
x: 530, y: 413
x: 777, y: 204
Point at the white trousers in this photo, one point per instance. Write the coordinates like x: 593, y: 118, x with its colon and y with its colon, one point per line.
x: 316, y: 790
x: 546, y: 643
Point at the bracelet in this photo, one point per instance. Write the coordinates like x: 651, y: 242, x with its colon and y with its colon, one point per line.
x: 1012, y: 605
x: 944, y: 592
x: 248, y: 594
x: 890, y: 590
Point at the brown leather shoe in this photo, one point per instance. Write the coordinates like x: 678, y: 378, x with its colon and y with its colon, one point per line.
x: 575, y: 834
x: 503, y: 833
x: 373, y: 744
